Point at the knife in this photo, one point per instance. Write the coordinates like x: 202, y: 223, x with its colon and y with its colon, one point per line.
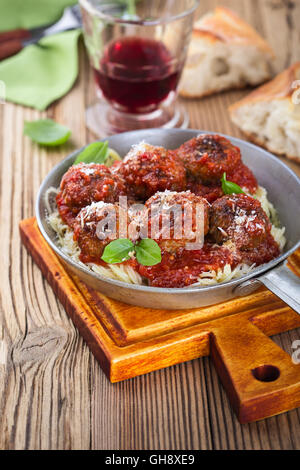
x: 12, y: 42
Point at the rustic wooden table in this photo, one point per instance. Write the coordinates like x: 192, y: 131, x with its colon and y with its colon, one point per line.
x: 53, y: 394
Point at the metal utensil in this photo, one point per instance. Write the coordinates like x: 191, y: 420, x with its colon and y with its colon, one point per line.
x: 283, y: 190
x: 12, y: 42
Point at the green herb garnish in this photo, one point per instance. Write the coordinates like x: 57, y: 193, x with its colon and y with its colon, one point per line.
x: 118, y: 251
x: 46, y: 132
x: 98, y: 152
x: 93, y: 153
x: 230, y: 188
x: 147, y: 251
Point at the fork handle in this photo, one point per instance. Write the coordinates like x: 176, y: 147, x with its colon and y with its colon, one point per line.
x: 9, y: 48
x: 15, y: 34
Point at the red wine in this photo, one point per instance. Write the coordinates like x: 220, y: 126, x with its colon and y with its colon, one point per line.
x: 137, y: 74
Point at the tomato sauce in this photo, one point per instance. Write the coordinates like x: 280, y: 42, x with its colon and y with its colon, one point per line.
x: 236, y: 221
x: 84, y: 184
x: 209, y: 192
x: 184, y: 268
x: 152, y: 169
x: 267, y: 250
x: 243, y: 176
x: 68, y: 214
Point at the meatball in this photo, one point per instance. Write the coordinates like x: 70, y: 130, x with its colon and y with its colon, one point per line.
x: 177, y: 219
x: 239, y: 218
x: 147, y: 169
x: 95, y: 227
x: 86, y: 183
x: 207, y: 157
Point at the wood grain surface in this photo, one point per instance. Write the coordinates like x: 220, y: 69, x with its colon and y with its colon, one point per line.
x: 53, y: 394
x: 261, y: 380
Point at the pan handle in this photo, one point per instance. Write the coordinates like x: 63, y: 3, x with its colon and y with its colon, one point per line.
x: 283, y: 283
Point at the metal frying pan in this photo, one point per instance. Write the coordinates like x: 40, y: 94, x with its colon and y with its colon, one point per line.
x: 283, y: 190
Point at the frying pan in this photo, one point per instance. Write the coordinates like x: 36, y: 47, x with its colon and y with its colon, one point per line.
x: 283, y: 188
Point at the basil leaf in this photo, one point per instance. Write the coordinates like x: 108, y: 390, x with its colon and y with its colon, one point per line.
x: 230, y: 188
x: 46, y: 132
x: 148, y: 253
x: 117, y: 251
x: 94, y: 153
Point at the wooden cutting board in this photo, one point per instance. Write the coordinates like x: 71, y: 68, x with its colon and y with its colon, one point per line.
x: 260, y: 378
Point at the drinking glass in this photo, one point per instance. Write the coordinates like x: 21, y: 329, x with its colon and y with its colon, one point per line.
x: 137, y: 50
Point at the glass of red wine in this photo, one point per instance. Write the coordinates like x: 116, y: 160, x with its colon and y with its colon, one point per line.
x: 137, y: 50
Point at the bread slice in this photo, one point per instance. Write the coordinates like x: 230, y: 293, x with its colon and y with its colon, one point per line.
x: 225, y: 52
x: 270, y: 115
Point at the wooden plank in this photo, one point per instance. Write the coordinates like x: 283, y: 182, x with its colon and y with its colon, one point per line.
x: 45, y: 373
x: 259, y: 376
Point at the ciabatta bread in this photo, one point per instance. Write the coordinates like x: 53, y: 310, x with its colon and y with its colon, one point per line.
x: 225, y: 52
x: 270, y: 115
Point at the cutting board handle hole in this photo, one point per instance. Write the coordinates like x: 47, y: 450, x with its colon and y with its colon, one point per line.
x: 266, y: 373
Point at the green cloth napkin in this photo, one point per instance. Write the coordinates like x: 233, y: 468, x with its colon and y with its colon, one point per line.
x: 30, y: 13
x: 43, y: 73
